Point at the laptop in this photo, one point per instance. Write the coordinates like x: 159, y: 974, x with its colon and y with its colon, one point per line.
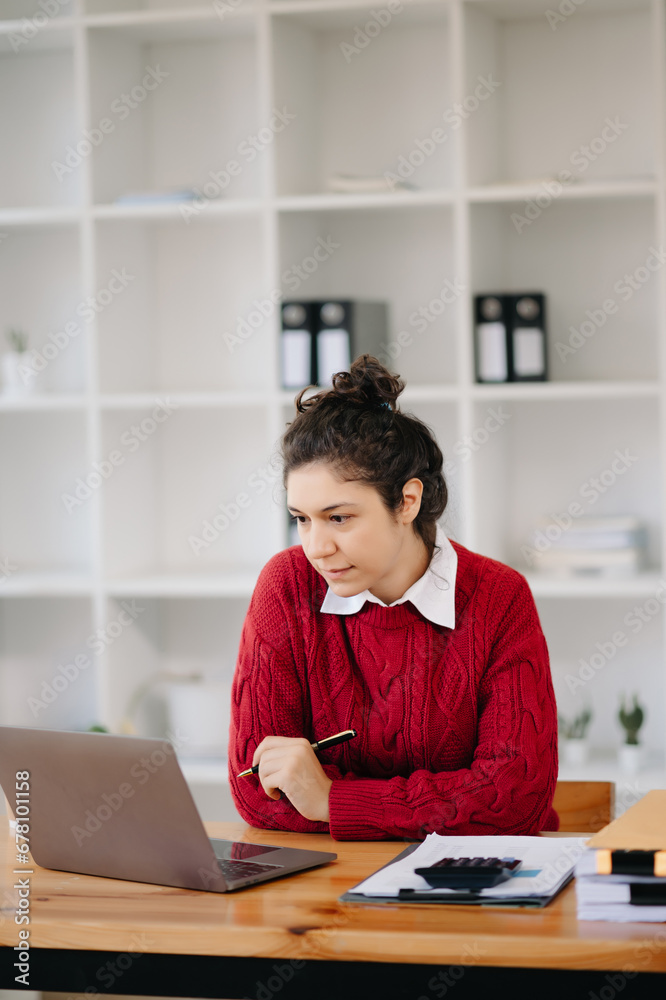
x: 119, y: 806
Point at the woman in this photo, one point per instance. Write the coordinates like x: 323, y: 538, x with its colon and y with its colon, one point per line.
x: 378, y: 622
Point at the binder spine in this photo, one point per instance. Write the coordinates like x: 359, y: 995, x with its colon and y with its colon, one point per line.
x: 298, y: 345
x: 346, y: 329
x: 335, y: 327
x: 492, y: 340
x: 527, y: 324
x: 631, y: 862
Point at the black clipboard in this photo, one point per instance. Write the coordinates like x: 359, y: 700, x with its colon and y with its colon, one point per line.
x: 435, y: 896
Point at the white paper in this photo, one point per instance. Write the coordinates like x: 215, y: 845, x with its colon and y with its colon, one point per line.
x: 622, y: 913
x: 296, y: 346
x: 528, y: 356
x: 552, y: 860
x: 493, y: 366
x: 333, y: 354
x: 608, y: 897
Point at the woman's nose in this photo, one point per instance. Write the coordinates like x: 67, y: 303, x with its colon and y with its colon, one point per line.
x: 321, y: 543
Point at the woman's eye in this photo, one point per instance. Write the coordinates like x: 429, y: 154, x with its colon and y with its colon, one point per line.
x: 336, y: 518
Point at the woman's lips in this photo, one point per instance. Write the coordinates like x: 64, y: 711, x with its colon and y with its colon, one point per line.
x: 335, y: 573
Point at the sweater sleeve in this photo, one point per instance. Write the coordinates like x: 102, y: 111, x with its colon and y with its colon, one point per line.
x: 269, y: 697
x: 509, y: 785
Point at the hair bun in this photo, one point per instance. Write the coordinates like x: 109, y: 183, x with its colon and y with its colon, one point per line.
x: 367, y: 383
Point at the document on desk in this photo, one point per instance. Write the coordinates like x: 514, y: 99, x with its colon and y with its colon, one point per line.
x: 547, y: 865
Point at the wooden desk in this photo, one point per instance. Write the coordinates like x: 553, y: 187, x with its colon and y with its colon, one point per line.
x: 292, y: 939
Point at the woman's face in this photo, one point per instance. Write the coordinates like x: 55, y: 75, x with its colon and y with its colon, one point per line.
x: 349, y: 536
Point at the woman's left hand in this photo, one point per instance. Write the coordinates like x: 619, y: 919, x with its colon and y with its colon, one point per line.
x: 289, y: 765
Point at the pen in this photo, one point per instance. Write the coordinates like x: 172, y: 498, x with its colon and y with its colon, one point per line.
x: 329, y: 741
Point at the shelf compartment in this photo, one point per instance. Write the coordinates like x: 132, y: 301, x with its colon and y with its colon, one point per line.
x: 55, y: 320
x: 168, y: 509
x: 361, y: 107
x: 168, y: 636
x: 590, y: 260
x: 182, y: 129
x: 188, y: 319
x: 610, y: 653
x: 543, y: 457
x: 36, y: 141
x: 34, y: 690
x: 43, y: 455
x: 539, y: 121
x: 370, y: 253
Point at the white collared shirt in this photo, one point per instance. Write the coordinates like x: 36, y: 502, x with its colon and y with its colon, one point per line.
x: 433, y: 594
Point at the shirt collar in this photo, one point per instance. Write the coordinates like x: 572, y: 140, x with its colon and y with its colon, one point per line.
x: 433, y: 594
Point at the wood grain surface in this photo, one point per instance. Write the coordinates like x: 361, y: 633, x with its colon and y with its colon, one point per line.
x: 300, y: 917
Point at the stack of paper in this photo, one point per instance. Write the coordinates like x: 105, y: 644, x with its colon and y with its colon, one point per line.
x: 547, y: 865
x: 617, y: 877
x: 357, y: 184
x: 603, y: 546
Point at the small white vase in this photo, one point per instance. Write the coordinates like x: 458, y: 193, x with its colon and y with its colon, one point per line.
x: 575, y: 751
x: 630, y: 757
x: 199, y: 715
x: 13, y: 381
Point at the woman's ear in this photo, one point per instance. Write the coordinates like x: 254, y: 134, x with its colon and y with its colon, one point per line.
x: 412, y: 493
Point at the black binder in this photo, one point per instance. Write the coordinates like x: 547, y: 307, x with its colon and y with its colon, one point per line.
x: 527, y: 323
x: 448, y: 898
x: 297, y: 344
x: 510, y: 337
x: 334, y: 331
x: 492, y: 338
x: 346, y: 329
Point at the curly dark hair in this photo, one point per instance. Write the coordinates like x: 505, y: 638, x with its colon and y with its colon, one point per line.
x: 356, y: 426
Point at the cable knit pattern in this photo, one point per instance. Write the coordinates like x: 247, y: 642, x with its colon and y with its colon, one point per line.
x: 457, y: 728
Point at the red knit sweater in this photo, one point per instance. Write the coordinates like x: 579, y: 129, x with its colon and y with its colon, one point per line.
x: 457, y: 729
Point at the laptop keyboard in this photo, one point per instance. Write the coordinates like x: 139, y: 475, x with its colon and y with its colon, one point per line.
x: 243, y: 869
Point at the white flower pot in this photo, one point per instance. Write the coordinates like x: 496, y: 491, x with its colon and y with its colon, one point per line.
x: 14, y: 382
x: 630, y: 757
x: 199, y: 716
x: 575, y: 751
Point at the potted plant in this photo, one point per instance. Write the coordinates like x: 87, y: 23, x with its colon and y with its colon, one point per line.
x: 13, y: 381
x: 630, y: 754
x: 575, y: 746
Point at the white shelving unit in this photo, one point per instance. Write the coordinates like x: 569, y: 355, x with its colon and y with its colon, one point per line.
x: 256, y: 103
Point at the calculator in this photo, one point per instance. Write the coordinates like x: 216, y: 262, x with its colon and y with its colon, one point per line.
x: 469, y: 873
